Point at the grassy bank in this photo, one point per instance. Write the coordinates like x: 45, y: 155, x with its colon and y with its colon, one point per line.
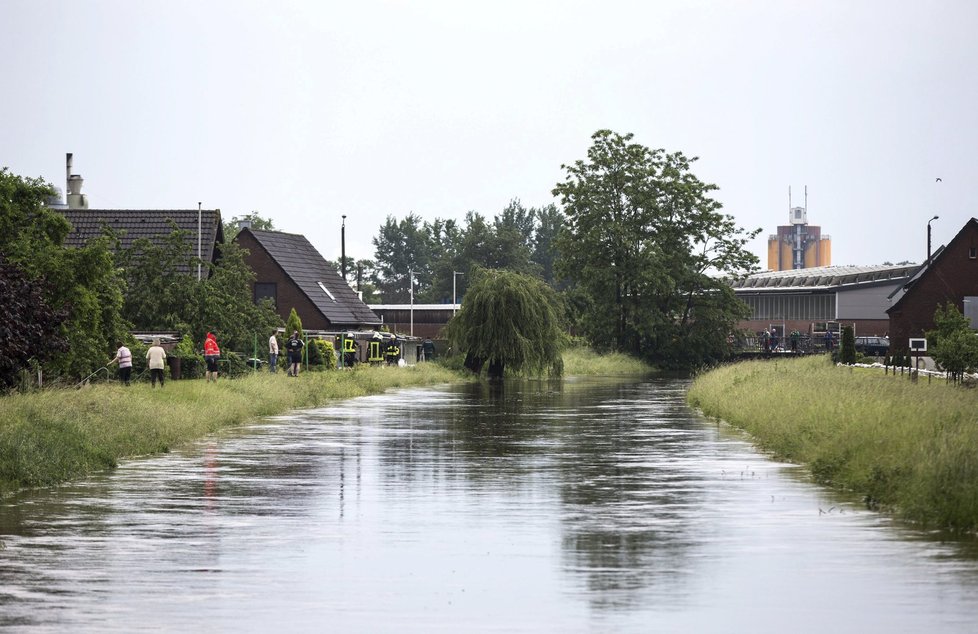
x: 586, y: 362
x: 909, y: 448
x: 57, y: 435
x: 53, y: 436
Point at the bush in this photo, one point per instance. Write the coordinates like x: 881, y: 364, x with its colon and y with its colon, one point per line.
x: 322, y: 354
x: 848, y: 348
x: 236, y: 365
x: 191, y: 362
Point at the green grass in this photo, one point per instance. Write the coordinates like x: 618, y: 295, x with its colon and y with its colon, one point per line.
x: 586, y: 362
x: 53, y: 436
x: 908, y: 448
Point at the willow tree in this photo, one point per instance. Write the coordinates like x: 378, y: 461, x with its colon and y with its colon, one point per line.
x: 509, y: 320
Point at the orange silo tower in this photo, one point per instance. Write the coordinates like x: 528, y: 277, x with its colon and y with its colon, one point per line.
x: 798, y: 245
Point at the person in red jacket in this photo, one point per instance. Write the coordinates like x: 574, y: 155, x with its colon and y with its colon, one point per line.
x: 211, y: 354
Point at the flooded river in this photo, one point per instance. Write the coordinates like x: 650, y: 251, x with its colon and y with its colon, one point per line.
x: 582, y: 506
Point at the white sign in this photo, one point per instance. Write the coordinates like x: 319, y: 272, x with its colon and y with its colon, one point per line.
x: 918, y: 345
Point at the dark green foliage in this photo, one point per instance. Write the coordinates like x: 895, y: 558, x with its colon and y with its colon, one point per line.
x: 952, y: 343
x: 80, y: 286
x: 30, y: 329
x: 293, y: 324
x: 848, y: 350
x: 509, y: 321
x: 519, y: 239
x: 164, y: 293
x: 322, y: 355
x: 192, y: 364
x: 226, y: 305
x: 401, y: 247
x: 644, y: 244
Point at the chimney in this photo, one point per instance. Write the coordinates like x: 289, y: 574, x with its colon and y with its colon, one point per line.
x: 74, y: 197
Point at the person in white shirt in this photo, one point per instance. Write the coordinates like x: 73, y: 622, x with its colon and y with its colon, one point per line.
x: 123, y: 357
x: 272, y: 353
x: 156, y: 358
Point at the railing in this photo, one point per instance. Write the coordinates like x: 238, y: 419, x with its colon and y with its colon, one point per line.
x: 802, y: 344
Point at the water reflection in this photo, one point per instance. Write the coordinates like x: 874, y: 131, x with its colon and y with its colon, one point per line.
x: 542, y: 506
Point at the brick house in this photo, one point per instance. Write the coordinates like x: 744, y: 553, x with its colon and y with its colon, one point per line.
x: 293, y: 274
x: 950, y: 276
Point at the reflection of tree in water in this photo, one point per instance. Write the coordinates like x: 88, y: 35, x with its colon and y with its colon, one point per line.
x: 485, y: 432
x: 629, y: 513
x: 607, y: 448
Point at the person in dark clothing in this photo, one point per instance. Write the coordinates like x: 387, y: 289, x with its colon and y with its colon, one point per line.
x: 428, y: 349
x: 293, y: 348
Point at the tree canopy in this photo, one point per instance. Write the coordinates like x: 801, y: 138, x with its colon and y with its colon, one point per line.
x: 509, y: 320
x: 953, y: 344
x: 645, y: 247
x: 81, y: 286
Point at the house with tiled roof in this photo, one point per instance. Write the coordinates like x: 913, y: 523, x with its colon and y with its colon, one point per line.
x: 293, y: 274
x: 950, y: 276
x: 202, y: 228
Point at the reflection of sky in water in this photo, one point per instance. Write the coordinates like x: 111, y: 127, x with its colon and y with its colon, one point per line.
x: 583, y: 506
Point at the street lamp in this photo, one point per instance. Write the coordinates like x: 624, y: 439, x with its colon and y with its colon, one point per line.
x: 343, y: 248
x: 411, y: 291
x: 928, y: 237
x: 455, y: 274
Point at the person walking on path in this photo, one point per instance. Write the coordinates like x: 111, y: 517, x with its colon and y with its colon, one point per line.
x: 211, y: 354
x: 123, y: 356
x: 272, y: 352
x: 294, y: 349
x: 156, y: 359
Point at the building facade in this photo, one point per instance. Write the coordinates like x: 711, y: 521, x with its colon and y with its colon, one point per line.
x: 798, y: 245
x: 951, y: 276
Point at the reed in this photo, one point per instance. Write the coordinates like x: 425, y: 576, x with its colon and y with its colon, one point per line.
x: 53, y: 436
x: 909, y: 448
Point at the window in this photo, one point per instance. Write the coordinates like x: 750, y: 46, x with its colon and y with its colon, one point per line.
x: 973, y: 253
x: 266, y: 290
x: 326, y: 290
x: 971, y: 310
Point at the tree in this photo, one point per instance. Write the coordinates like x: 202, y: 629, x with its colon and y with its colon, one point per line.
x: 83, y: 284
x: 509, y: 320
x: 646, y: 245
x: 401, y: 247
x: 549, y: 222
x: 293, y: 324
x: 31, y: 329
x: 953, y: 344
x: 226, y: 306
x: 233, y: 226
x: 161, y: 285
x: 847, y: 350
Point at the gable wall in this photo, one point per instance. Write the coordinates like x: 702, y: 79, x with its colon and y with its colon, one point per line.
x: 950, y: 278
x: 288, y: 295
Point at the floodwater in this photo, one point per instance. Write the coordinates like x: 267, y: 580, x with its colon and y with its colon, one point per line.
x: 582, y: 506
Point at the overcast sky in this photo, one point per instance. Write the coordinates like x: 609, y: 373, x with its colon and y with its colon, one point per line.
x: 303, y: 111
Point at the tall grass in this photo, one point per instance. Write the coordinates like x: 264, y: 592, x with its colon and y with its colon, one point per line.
x: 587, y: 362
x: 909, y: 448
x: 53, y: 436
